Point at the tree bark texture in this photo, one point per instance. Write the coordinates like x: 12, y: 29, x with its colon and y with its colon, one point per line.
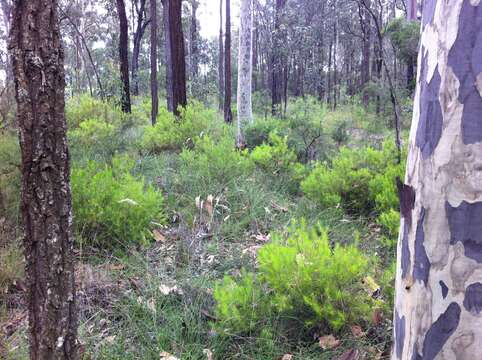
x: 194, y: 51
x: 176, y: 61
x: 438, y: 307
x: 228, y: 115
x: 124, y: 56
x: 154, y: 86
x: 38, y: 65
x: 245, y: 67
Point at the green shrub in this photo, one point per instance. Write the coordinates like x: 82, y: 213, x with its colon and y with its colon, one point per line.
x: 11, y: 266
x: 9, y: 175
x: 111, y: 206
x: 258, y: 132
x: 94, y: 137
x: 363, y: 182
x: 171, y: 133
x: 301, y: 278
x: 274, y: 156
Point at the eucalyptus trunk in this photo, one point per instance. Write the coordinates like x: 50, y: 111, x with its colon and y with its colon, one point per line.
x: 245, y: 68
x: 124, y: 56
x: 438, y: 306
x: 46, y: 207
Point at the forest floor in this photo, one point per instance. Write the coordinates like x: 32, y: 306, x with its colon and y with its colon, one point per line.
x: 156, y: 301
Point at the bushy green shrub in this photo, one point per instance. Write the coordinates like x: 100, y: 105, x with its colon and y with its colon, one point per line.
x: 258, y: 132
x: 9, y: 175
x: 171, y: 133
x: 302, y: 277
x: 363, y: 181
x: 94, y: 137
x: 274, y: 156
x: 113, y: 207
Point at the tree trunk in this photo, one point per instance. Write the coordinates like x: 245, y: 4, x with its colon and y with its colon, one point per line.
x: 221, y: 59
x: 245, y: 68
x: 123, y: 56
x: 154, y: 88
x: 366, y: 42
x: 38, y: 66
x: 410, y: 73
x: 7, y: 14
x: 438, y: 303
x: 228, y: 115
x: 176, y: 60
x: 141, y: 26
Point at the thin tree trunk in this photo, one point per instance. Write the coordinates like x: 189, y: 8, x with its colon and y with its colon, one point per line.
x: 245, y: 68
x: 38, y: 65
x: 228, y: 115
x: 194, y: 53
x: 277, y: 60
x: 221, y: 59
x: 7, y: 14
x: 154, y: 87
x: 438, y: 303
x: 123, y: 56
x: 141, y: 26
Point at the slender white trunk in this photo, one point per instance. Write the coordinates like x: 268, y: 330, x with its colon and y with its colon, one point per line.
x: 438, y: 307
x: 245, y: 67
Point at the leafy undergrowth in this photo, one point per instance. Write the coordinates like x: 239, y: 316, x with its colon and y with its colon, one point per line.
x: 300, y: 231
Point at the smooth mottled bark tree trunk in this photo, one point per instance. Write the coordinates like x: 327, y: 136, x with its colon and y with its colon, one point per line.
x: 245, y: 68
x: 176, y: 61
x: 124, y: 56
x: 438, y: 306
x: 228, y: 115
x: 221, y: 59
x: 38, y: 66
x: 154, y: 86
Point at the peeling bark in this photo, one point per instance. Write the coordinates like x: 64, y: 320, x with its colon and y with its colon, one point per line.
x: 38, y: 66
x: 438, y: 305
x: 245, y: 68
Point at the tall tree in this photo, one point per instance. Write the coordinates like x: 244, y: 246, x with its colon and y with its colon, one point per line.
x: 439, y: 283
x: 221, y: 59
x: 245, y: 67
x: 124, y: 55
x: 38, y: 67
x: 141, y: 25
x: 6, y: 7
x: 154, y: 87
x: 228, y: 115
x: 175, y: 55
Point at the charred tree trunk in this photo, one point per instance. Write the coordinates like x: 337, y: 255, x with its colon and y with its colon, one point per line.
x: 124, y: 56
x: 154, y: 87
x: 245, y: 68
x: 228, y: 115
x: 438, y: 303
x: 221, y: 59
x: 141, y: 25
x: 38, y: 66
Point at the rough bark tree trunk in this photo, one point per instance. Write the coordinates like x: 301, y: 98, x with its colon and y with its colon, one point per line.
x: 7, y: 15
x: 366, y: 44
x: 194, y: 51
x: 176, y: 61
x: 124, y: 55
x: 221, y: 59
x: 245, y: 68
x: 228, y: 115
x: 438, y: 306
x: 154, y: 87
x: 38, y: 66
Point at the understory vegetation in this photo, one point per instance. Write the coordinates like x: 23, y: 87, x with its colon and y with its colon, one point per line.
x: 190, y: 247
